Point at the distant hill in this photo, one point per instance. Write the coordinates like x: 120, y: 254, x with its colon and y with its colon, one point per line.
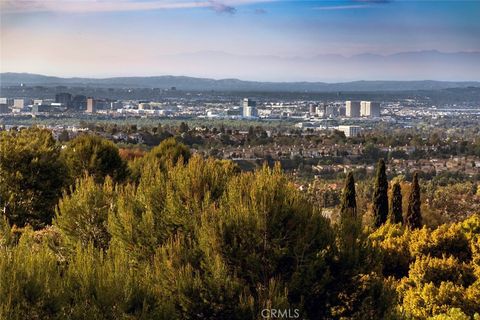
x: 203, y: 84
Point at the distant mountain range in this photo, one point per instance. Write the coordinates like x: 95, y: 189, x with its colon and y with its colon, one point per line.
x: 204, y: 84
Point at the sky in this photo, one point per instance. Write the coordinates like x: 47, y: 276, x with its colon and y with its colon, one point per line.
x: 270, y: 40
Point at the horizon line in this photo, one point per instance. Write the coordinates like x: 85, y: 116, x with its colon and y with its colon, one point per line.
x: 222, y: 79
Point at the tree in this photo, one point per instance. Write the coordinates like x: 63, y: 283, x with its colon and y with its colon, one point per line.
x: 414, y: 215
x: 184, y: 127
x: 380, y: 195
x: 95, y: 156
x: 349, y: 202
x: 32, y: 176
x: 63, y: 136
x: 396, y: 209
x: 170, y: 150
x: 82, y: 215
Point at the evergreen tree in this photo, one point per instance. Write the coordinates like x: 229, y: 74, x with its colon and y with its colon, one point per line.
x: 32, y: 176
x: 184, y: 128
x: 414, y: 215
x: 380, y: 195
x: 396, y: 213
x: 82, y: 213
x: 168, y: 151
x: 349, y: 202
x: 95, y: 156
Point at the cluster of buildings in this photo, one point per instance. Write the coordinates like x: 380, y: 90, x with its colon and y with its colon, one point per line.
x: 246, y: 109
x: 61, y: 103
x: 249, y: 108
x: 357, y: 109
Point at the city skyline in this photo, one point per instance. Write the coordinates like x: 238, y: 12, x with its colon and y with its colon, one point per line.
x: 246, y: 39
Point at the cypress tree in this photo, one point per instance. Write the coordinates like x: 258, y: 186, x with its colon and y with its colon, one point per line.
x: 349, y: 202
x: 396, y: 213
x: 380, y: 195
x: 414, y: 215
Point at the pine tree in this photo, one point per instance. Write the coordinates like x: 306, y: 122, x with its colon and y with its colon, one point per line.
x: 95, y: 156
x: 349, y: 202
x: 380, y: 195
x: 32, y: 176
x: 396, y: 213
x: 414, y: 215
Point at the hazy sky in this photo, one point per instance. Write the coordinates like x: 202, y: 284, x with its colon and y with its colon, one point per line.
x: 152, y: 37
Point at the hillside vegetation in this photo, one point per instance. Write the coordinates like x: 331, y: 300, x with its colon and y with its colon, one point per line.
x: 171, y: 235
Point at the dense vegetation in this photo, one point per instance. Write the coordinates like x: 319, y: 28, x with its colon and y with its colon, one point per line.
x: 176, y: 236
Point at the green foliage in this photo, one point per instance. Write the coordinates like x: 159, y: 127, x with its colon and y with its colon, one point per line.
x: 95, y: 156
x: 380, y: 195
x: 170, y: 150
x: 396, y: 206
x: 166, y: 202
x: 197, y: 239
x: 31, y: 176
x: 82, y: 214
x: 264, y: 228
x: 29, y: 282
x: 349, y: 202
x: 414, y: 216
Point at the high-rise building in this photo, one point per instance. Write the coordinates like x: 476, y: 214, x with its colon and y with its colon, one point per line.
x: 350, y: 131
x: 352, y: 109
x: 4, y: 108
x: 63, y: 98
x: 249, y: 108
x: 370, y: 109
x: 18, y: 103
x: 79, y: 102
x: 331, y: 111
x: 313, y: 109
x: 91, y: 105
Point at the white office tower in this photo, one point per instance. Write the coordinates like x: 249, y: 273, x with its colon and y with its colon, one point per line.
x: 352, y: 109
x: 370, y: 109
x: 18, y: 103
x: 249, y: 108
x: 350, y: 131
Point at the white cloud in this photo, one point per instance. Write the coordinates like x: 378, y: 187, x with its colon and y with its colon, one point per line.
x: 82, y: 6
x: 346, y: 7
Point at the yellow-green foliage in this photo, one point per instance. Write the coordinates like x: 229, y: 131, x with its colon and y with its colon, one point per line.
x: 427, y: 269
x: 451, y: 314
x: 393, y: 241
x: 30, y: 281
x: 445, y: 240
x: 442, y: 268
x: 82, y: 214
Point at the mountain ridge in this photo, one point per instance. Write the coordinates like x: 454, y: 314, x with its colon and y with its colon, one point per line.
x: 227, y: 84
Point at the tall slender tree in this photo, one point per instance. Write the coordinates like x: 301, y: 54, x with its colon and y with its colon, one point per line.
x: 414, y: 215
x: 349, y: 202
x: 396, y: 208
x: 380, y: 195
